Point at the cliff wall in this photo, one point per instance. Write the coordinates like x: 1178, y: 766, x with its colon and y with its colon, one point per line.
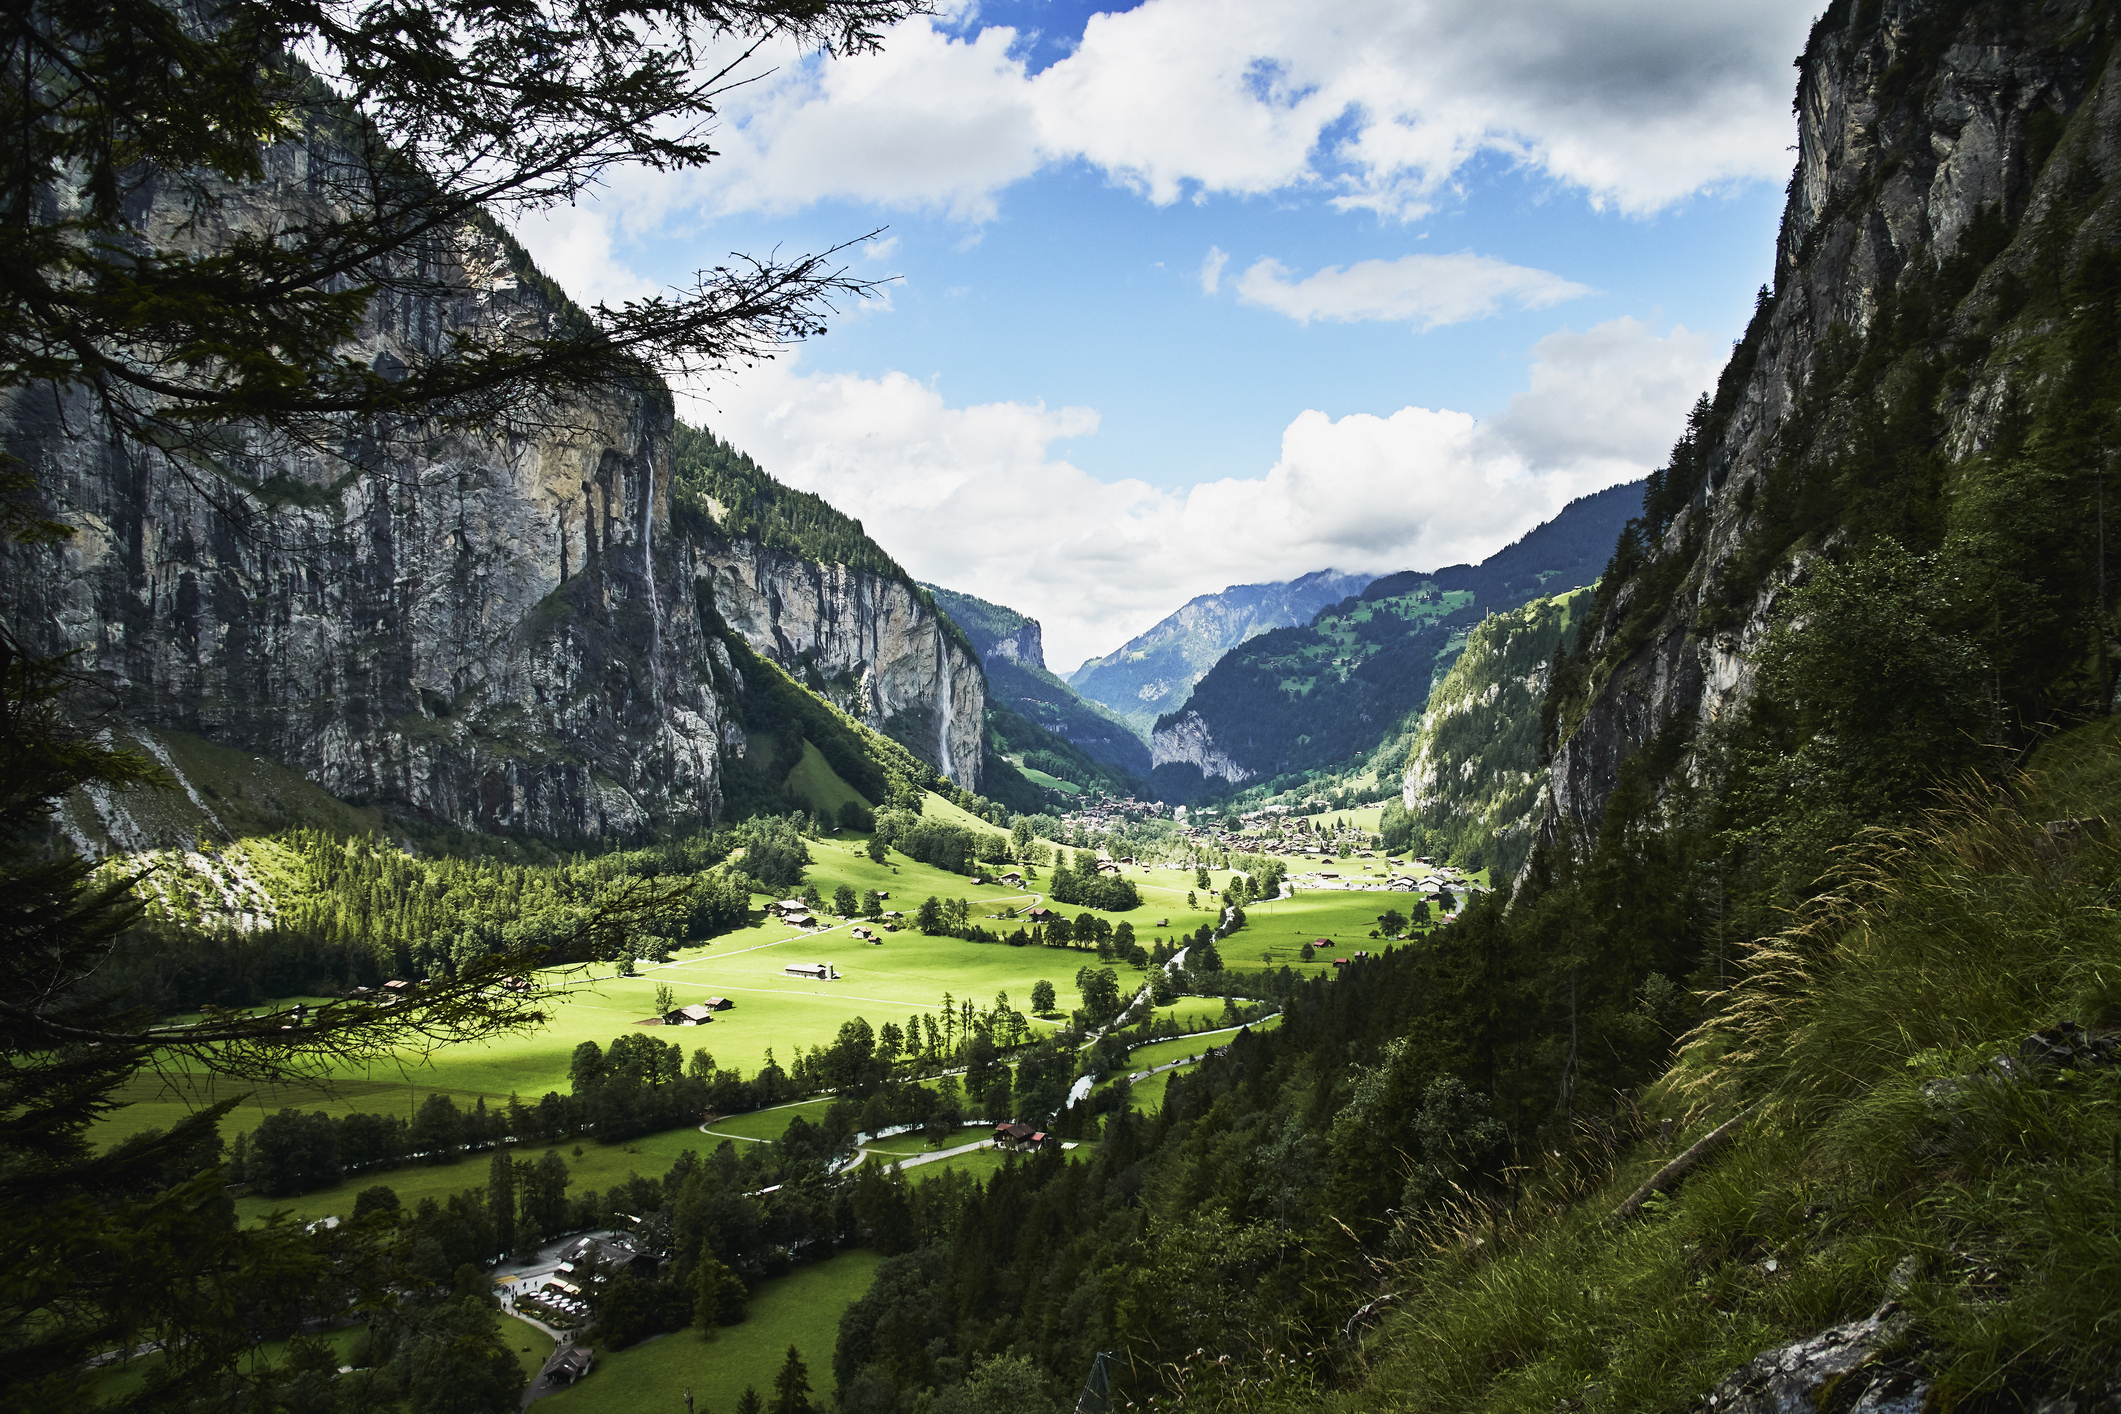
x: 493, y: 632
x: 1955, y: 178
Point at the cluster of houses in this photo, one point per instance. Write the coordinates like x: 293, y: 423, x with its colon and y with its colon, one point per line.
x: 570, y: 1294
x: 698, y: 1014
x: 396, y: 989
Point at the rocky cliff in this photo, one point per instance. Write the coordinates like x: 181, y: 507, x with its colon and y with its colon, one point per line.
x: 871, y: 643
x: 1186, y: 740
x: 488, y: 632
x: 1916, y: 366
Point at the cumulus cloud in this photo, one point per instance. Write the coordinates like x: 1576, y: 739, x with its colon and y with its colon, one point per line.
x: 1424, y: 290
x: 982, y: 499
x: 1377, y: 103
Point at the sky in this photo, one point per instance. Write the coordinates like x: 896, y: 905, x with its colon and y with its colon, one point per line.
x: 1195, y: 293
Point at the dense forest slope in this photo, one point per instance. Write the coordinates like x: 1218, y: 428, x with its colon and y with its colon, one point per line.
x: 1475, y: 779
x: 1028, y: 705
x: 1152, y: 672
x: 1319, y: 696
x: 530, y: 634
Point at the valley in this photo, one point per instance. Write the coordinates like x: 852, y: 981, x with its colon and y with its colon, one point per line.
x: 508, y: 900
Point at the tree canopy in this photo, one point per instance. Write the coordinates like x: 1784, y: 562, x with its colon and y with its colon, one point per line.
x: 211, y: 211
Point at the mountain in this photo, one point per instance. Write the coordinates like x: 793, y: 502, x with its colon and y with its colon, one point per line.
x: 1028, y: 706
x: 1475, y: 777
x: 540, y: 634
x: 1156, y: 669
x: 1317, y: 697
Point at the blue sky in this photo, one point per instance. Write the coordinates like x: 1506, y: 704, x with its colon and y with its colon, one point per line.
x: 1198, y: 293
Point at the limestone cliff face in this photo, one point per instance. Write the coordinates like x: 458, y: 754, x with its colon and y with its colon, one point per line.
x: 1186, y: 739
x: 1945, y: 148
x: 497, y: 633
x: 872, y: 644
x: 474, y: 633
x: 1027, y: 645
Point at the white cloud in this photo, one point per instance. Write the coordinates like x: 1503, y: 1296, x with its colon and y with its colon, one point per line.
x: 1211, y: 270
x: 977, y: 498
x: 880, y: 250
x: 1424, y: 290
x: 1378, y: 103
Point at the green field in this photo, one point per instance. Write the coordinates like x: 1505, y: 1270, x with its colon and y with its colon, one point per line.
x: 908, y: 973
x: 801, y: 1309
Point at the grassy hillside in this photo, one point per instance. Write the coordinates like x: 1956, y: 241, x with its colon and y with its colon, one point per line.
x: 1889, y: 1156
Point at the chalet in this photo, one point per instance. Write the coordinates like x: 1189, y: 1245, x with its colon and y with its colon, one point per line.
x: 1042, y: 914
x: 698, y: 1014
x: 568, y: 1364
x: 860, y: 932
x: 1012, y: 878
x: 1163, y: 922
x: 396, y: 987
x: 792, y: 905
x: 1340, y: 962
x: 719, y: 1003
x: 815, y: 971
x: 1023, y: 1139
x: 799, y: 920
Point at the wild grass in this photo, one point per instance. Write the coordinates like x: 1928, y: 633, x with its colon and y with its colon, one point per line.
x: 1888, y: 1154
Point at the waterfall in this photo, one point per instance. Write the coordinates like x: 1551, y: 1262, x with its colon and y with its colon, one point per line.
x: 655, y: 607
x: 945, y: 704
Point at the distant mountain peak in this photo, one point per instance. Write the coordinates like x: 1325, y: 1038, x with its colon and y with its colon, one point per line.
x: 1154, y: 671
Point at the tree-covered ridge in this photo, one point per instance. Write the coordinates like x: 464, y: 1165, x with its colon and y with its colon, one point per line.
x: 1475, y: 772
x: 1298, y: 699
x: 716, y: 480
x: 1322, y: 698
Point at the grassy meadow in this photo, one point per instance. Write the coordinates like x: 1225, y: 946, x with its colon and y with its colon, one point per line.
x: 801, y: 1309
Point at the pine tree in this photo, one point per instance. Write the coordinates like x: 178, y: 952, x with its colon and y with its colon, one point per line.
x: 791, y: 1387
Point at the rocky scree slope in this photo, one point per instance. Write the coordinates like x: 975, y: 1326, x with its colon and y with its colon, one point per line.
x: 491, y: 632
x: 1934, y: 367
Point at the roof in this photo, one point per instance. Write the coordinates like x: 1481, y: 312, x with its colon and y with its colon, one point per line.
x: 698, y: 1011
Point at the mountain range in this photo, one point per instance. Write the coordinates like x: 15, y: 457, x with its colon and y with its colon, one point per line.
x: 1154, y: 670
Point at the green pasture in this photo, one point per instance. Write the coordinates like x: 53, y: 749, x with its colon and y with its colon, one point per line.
x: 813, y: 779
x: 801, y: 1309
x: 906, y: 974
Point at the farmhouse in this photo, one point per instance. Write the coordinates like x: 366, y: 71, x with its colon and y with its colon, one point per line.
x: 719, y: 1003
x: 698, y: 1014
x: 1022, y: 1138
x: 815, y: 971
x: 1042, y: 914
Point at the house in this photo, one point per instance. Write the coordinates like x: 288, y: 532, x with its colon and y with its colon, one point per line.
x: 1012, y: 878
x: 592, y: 1259
x: 1163, y: 922
x: 396, y: 987
x: 815, y: 971
x: 698, y: 1014
x: 568, y: 1364
x: 1340, y: 962
x: 858, y: 931
x: 799, y: 920
x: 792, y: 905
x: 1042, y: 914
x: 1012, y: 1135
x: 719, y: 1003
